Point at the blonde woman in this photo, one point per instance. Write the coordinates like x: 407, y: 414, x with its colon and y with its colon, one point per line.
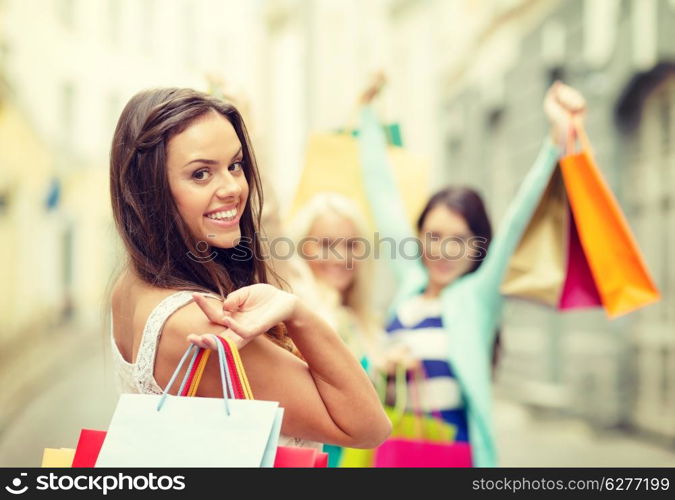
x: 331, y: 237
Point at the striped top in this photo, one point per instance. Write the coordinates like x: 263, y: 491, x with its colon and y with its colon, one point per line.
x: 418, y: 325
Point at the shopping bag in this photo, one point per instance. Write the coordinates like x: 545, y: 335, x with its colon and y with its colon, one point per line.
x: 601, y: 264
x: 537, y: 268
x: 293, y: 456
x: 57, y: 457
x: 332, y: 163
x: 549, y: 265
x: 401, y: 452
x: 415, y: 425
x: 173, y: 431
x: 88, y: 448
x: 405, y: 426
x: 422, y: 438
x: 579, y: 290
x: 274, y: 456
x: 616, y: 263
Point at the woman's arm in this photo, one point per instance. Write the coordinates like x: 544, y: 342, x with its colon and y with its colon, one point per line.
x: 490, y: 274
x: 328, y: 398
x: 382, y: 193
x: 560, y: 103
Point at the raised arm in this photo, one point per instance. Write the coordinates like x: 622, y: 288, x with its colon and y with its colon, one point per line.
x: 328, y: 398
x: 382, y: 193
x: 490, y: 274
x: 560, y: 102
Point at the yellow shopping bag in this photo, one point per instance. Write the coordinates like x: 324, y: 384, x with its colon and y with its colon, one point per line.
x: 58, y: 457
x: 332, y: 163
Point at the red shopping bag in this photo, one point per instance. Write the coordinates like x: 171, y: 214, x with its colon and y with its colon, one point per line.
x: 290, y: 456
x: 88, y: 448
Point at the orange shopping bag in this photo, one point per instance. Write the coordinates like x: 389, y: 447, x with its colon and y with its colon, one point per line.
x: 618, y: 268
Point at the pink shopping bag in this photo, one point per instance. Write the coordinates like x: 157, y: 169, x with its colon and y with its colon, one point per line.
x: 401, y: 452
x: 579, y: 290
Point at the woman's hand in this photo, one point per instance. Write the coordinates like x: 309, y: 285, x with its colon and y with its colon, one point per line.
x: 394, y: 357
x: 246, y: 313
x: 561, y: 102
x: 374, y: 88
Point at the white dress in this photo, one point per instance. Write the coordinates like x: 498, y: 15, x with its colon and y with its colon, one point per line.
x: 138, y: 377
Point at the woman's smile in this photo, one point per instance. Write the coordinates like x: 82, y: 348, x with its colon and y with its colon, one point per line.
x: 224, y: 216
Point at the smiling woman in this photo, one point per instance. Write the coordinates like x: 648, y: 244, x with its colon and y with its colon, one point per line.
x: 210, y: 191
x: 186, y: 200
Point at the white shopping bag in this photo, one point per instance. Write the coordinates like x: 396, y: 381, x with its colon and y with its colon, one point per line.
x: 172, y: 431
x: 271, y: 448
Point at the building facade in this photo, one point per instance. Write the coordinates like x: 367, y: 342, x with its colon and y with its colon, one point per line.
x: 620, y: 55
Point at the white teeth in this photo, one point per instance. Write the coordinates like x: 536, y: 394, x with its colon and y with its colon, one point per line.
x: 226, y: 214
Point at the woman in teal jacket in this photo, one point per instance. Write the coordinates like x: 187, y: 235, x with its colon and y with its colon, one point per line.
x: 448, y: 305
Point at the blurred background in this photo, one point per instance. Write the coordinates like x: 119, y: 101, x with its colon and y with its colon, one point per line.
x: 466, y: 80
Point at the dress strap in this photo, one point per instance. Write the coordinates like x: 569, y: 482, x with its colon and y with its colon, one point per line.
x: 144, y: 366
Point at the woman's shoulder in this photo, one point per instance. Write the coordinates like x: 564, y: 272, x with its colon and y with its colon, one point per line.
x: 130, y: 291
x: 133, y: 303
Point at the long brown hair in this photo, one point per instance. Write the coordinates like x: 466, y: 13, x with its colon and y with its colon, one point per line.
x: 160, y: 247
x: 469, y: 204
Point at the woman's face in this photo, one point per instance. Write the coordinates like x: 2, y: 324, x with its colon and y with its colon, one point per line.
x: 329, y: 249
x: 445, y: 237
x: 206, y: 175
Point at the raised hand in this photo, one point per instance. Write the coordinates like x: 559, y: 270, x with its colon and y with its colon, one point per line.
x: 374, y: 88
x: 560, y: 104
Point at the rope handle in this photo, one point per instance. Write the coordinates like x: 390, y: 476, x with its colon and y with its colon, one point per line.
x: 242, y: 387
x: 226, y: 380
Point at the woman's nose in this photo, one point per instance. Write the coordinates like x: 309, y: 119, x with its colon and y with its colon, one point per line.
x: 228, y: 187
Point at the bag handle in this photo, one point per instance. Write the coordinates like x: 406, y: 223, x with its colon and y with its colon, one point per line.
x: 241, y: 385
x: 224, y: 374
x: 400, y: 389
x: 576, y: 131
x: 401, y: 397
x: 418, y: 375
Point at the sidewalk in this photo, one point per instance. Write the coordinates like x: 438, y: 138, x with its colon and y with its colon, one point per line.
x: 73, y: 391
x: 527, y: 441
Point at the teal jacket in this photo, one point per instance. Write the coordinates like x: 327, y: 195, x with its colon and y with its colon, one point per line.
x: 472, y: 305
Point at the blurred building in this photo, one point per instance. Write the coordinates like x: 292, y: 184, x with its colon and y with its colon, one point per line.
x: 67, y: 67
x: 27, y: 195
x: 71, y: 70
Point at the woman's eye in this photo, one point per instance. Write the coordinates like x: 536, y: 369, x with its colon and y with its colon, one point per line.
x: 236, y: 167
x: 200, y: 175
